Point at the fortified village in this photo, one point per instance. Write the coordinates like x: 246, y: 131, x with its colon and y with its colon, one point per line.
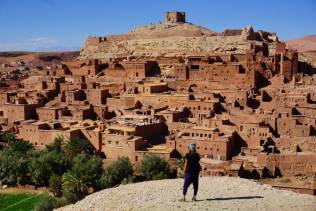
x: 240, y: 95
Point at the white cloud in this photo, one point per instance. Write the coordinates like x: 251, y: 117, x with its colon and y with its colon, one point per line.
x: 43, y: 41
x: 32, y: 44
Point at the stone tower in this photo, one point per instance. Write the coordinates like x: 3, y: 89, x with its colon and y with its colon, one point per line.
x: 175, y: 17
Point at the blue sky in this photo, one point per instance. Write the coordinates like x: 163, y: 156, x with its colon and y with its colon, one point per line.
x: 64, y: 24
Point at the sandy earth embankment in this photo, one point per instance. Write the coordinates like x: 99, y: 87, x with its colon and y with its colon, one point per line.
x: 216, y: 193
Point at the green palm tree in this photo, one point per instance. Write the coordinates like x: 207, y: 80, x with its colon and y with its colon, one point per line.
x: 75, y: 185
x: 57, y: 145
x: 9, y: 137
x: 76, y: 146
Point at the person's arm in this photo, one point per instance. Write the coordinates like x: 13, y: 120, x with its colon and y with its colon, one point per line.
x: 185, y: 164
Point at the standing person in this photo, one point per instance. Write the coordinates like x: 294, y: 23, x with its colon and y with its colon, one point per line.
x: 192, y: 169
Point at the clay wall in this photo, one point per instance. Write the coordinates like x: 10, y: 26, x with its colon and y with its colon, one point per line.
x: 253, y: 134
x: 292, y: 99
x: 181, y: 72
x: 289, y: 165
x: 97, y: 96
x: 294, y: 144
x: 226, y: 74
x: 16, y: 112
x: 114, y: 146
x: 4, y: 98
x: 72, y: 96
x: 46, y: 114
x: 155, y: 88
x: 175, y: 17
x: 82, y: 113
x: 291, y: 127
x: 218, y: 148
x: 232, y: 32
x: 150, y: 130
x: 101, y: 112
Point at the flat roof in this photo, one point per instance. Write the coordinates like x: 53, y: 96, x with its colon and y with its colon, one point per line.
x: 122, y: 128
x: 203, y: 128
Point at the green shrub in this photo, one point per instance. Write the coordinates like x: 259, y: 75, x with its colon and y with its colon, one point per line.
x: 61, y: 202
x: 86, y: 172
x: 116, y: 172
x: 128, y: 180
x: 153, y: 165
x: 160, y: 176
x: 57, y: 144
x: 76, y: 146
x: 71, y: 197
x: 285, y: 180
x: 20, y: 146
x: 55, y: 185
x: 9, y: 137
x: 14, y: 168
x: 88, y: 168
x: 45, y: 163
x: 47, y: 204
x: 180, y: 163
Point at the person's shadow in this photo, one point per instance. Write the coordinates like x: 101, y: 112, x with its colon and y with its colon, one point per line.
x: 231, y: 198
x: 235, y: 198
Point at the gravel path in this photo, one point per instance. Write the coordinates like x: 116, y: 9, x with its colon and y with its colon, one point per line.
x: 216, y: 193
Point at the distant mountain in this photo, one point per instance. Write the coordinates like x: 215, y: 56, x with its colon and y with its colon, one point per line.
x: 57, y: 49
x: 38, y: 58
x: 304, y: 44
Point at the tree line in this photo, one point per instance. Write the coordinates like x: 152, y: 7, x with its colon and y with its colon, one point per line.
x: 70, y: 169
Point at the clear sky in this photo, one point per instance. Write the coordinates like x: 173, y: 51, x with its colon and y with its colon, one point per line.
x: 64, y: 24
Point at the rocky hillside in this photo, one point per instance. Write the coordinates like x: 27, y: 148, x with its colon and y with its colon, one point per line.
x: 304, y: 44
x: 38, y: 58
x: 173, y: 40
x: 216, y: 193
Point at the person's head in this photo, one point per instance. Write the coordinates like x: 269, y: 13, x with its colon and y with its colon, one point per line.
x: 192, y: 148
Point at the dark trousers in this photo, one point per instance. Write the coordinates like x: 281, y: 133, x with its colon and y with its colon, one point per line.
x: 188, y: 179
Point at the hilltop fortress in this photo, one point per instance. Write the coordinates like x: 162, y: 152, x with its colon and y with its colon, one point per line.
x: 240, y: 95
x: 175, y: 41
x: 175, y: 37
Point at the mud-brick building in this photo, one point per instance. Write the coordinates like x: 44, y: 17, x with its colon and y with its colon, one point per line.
x: 210, y: 142
x: 19, y: 112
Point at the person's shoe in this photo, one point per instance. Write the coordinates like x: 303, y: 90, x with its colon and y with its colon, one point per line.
x: 194, y: 198
x: 182, y: 199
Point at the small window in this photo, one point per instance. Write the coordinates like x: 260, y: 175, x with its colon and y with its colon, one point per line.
x: 242, y: 71
x: 109, y: 142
